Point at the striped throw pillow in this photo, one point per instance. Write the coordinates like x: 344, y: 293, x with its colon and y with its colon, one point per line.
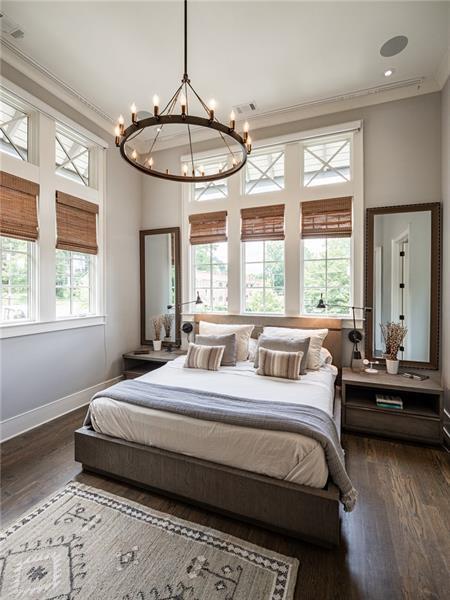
x: 276, y: 363
x: 204, y: 357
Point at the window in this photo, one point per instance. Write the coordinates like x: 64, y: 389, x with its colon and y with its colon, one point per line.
x: 72, y: 155
x: 74, y: 284
x: 326, y: 162
x: 13, y: 128
x: 326, y: 235
x: 17, y: 278
x: 265, y: 171
x: 264, y: 276
x: 211, y: 190
x: 210, y: 275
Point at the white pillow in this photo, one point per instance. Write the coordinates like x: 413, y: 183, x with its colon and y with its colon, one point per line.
x: 326, y: 357
x: 243, y: 333
x: 317, y: 336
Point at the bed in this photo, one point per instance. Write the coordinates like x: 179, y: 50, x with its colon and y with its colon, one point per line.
x: 276, y: 479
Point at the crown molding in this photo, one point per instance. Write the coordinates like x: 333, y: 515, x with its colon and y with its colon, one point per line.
x: 56, y: 86
x: 319, y: 107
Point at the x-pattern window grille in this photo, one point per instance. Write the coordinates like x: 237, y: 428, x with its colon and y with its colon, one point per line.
x: 72, y: 157
x: 265, y: 172
x: 327, y: 162
x: 13, y: 130
x: 211, y: 190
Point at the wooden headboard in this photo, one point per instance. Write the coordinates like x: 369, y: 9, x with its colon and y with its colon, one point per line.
x: 333, y: 341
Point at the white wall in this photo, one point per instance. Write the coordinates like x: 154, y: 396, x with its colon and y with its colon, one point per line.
x: 43, y: 368
x: 445, y: 313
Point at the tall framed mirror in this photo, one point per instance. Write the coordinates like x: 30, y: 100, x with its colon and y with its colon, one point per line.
x: 403, y: 280
x: 160, y: 260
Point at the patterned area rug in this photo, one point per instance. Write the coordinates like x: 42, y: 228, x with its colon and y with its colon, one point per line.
x: 84, y: 543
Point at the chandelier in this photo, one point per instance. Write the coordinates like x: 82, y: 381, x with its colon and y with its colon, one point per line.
x: 177, y: 112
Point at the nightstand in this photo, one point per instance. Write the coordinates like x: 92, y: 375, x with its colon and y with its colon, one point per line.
x: 135, y: 365
x: 420, y: 420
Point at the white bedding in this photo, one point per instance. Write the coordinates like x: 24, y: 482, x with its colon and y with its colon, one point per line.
x: 282, y: 455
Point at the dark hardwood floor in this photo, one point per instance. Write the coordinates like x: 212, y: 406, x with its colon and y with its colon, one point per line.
x: 396, y: 544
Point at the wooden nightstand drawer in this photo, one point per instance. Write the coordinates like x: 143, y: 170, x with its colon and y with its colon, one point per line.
x: 390, y: 423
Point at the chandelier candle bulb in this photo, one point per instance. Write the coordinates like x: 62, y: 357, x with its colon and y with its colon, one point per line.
x: 133, y: 113
x: 121, y: 124
x: 117, y: 134
x: 246, y: 130
x: 232, y: 120
x: 212, y: 107
x: 134, y: 155
x: 150, y: 162
x: 185, y: 170
x: 156, y: 105
x: 202, y: 171
x: 183, y: 105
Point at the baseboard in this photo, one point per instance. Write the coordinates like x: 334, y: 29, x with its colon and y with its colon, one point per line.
x: 14, y: 426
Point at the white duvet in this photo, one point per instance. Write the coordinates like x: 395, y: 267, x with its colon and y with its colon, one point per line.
x: 277, y: 454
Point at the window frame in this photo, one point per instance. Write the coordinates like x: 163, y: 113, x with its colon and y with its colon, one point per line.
x: 264, y: 287
x: 15, y: 102
x: 41, y: 138
x: 211, y: 289
x: 32, y: 284
x: 91, y: 287
x: 324, y: 291
x: 275, y: 149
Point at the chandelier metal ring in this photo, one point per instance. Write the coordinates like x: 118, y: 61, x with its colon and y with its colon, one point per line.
x: 145, y: 161
x: 176, y: 119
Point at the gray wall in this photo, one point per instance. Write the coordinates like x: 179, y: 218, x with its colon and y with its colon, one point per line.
x: 41, y: 368
x: 446, y: 239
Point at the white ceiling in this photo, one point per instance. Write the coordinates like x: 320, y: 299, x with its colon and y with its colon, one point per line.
x: 278, y: 54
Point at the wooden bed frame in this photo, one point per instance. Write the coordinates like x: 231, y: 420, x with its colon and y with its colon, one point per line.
x: 304, y: 512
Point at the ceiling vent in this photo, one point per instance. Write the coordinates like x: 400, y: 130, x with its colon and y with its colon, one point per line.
x: 245, y: 109
x: 9, y: 27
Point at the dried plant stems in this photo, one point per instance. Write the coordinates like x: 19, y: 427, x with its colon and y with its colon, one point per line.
x: 157, y: 326
x: 393, y: 334
x: 167, y: 322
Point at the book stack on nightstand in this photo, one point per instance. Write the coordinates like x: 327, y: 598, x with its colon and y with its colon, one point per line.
x: 138, y: 363
x: 393, y: 406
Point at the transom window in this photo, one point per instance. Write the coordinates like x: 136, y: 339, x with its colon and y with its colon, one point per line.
x: 211, y: 190
x: 74, y: 284
x: 17, y: 278
x: 13, y: 129
x: 264, y: 276
x: 327, y: 271
x: 326, y: 162
x: 265, y: 171
x: 72, y: 155
x: 210, y: 276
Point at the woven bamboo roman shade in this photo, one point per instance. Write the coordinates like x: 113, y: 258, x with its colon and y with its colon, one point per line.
x: 18, y: 207
x: 76, y: 224
x: 208, y: 228
x: 262, y: 223
x: 327, y: 218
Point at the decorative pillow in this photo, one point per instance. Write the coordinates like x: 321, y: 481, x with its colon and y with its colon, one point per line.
x: 243, y: 333
x: 204, y: 357
x: 290, y: 344
x: 276, y: 363
x: 252, y: 349
x: 229, y: 341
x: 317, y: 336
x: 325, y: 357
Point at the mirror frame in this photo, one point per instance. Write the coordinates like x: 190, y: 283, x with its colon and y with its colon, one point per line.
x: 143, y: 233
x: 435, y: 282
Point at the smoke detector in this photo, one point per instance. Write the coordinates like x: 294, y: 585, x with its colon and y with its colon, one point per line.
x: 245, y: 109
x: 10, y: 27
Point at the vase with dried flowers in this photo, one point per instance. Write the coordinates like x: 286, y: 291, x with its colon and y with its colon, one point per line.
x: 393, y: 335
x: 157, y: 326
x: 168, y: 322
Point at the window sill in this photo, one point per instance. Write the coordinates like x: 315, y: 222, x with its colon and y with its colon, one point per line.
x: 34, y: 327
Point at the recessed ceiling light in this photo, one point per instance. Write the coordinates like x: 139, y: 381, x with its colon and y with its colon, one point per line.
x: 388, y: 72
x: 394, y: 46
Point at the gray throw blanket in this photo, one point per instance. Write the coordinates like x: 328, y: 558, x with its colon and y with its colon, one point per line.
x: 259, y: 414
